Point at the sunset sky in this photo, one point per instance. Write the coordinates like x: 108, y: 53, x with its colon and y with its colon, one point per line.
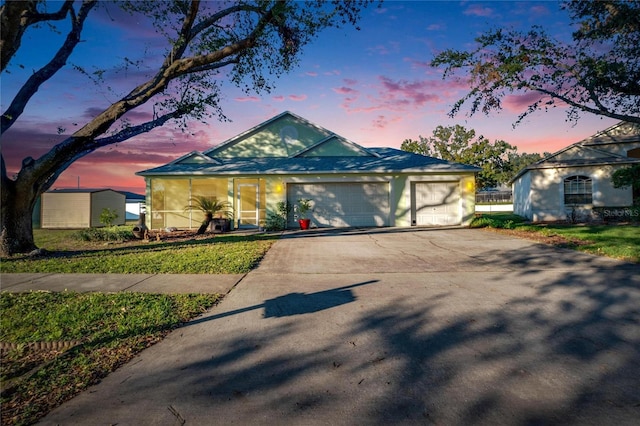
x: 373, y: 86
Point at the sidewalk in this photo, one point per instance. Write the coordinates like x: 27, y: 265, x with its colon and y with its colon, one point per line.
x: 146, y: 283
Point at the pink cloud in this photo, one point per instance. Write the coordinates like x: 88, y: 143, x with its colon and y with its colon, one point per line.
x: 247, y: 99
x: 332, y: 72
x: 297, y: 98
x: 350, y: 81
x: 404, y: 93
x: 518, y: 103
x: 478, y: 10
x: 344, y: 90
x: 311, y: 74
x: 278, y: 98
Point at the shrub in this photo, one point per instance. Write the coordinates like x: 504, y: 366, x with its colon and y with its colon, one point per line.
x: 117, y: 233
x: 277, y: 221
x: 506, y: 221
x: 107, y: 216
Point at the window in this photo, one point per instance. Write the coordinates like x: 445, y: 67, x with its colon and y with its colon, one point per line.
x: 578, y: 190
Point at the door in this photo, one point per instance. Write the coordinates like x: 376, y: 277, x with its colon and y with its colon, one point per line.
x: 248, y: 205
x: 435, y: 203
x: 344, y: 204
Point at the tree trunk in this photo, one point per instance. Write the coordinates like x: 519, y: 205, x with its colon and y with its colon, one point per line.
x: 16, y: 235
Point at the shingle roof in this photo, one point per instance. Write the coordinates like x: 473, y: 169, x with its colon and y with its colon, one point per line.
x: 593, y: 149
x: 386, y: 160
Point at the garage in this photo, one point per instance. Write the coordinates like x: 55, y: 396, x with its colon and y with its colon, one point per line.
x: 435, y: 203
x: 344, y: 204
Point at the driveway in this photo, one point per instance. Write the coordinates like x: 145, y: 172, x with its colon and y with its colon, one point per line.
x: 395, y: 326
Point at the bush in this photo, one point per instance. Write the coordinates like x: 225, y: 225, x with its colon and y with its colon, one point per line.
x: 107, y: 216
x: 503, y: 221
x: 118, y: 233
x: 277, y: 221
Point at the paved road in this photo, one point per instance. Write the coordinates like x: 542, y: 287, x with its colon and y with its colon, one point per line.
x: 393, y: 326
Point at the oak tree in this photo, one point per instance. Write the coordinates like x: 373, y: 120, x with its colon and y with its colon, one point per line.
x: 249, y: 43
x: 596, y: 72
x: 457, y: 144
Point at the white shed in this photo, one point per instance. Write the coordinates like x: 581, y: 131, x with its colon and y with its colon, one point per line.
x: 80, y: 208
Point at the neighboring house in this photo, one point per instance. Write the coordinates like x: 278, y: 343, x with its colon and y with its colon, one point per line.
x: 134, y: 205
x: 572, y: 182
x: 79, y: 208
x: 288, y: 158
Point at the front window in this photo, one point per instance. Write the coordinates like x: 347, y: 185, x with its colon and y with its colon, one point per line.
x: 578, y: 190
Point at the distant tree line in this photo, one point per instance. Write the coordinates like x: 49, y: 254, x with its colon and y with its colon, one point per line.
x: 498, y: 160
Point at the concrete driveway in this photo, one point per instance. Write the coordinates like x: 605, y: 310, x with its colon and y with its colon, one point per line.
x: 395, y: 326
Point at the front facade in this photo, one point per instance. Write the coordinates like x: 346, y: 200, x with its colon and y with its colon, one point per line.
x: 570, y: 183
x: 288, y: 158
x: 79, y: 208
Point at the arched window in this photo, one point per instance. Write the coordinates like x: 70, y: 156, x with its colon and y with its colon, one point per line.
x: 578, y: 190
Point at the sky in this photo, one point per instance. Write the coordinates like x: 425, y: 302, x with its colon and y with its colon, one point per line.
x: 374, y: 87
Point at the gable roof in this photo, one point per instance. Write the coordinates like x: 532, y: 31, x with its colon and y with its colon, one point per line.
x: 592, y: 151
x: 289, y: 144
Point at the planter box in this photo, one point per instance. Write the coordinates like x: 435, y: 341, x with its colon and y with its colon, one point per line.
x: 219, y: 225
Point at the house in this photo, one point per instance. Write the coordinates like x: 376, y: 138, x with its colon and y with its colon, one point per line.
x: 79, y: 208
x: 575, y: 182
x: 288, y: 158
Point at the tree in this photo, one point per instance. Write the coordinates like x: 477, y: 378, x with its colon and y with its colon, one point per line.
x: 252, y: 42
x: 457, y: 144
x: 628, y: 177
x: 598, y: 72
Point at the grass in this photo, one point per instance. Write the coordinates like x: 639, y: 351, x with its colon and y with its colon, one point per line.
x: 110, y: 329
x: 619, y: 241
x: 67, y: 252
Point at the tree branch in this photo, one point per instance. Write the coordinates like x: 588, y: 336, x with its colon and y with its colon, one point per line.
x: 36, y: 79
x: 15, y: 18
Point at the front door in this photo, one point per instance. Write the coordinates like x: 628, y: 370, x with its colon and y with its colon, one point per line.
x: 248, y: 205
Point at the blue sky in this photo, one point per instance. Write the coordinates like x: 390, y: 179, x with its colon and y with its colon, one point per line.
x: 373, y: 86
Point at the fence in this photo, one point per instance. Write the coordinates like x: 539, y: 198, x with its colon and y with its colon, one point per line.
x: 490, y: 197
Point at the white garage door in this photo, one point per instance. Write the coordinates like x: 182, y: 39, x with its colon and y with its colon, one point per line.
x: 344, y: 204
x: 436, y: 203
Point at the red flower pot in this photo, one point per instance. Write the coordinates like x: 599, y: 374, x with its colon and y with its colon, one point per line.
x: 304, y: 223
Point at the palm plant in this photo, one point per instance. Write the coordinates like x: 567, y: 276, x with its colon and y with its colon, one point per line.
x: 211, y: 207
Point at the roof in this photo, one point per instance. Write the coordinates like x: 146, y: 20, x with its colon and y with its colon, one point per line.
x: 593, y: 151
x: 79, y: 190
x: 387, y: 160
x: 132, y: 196
x: 289, y: 144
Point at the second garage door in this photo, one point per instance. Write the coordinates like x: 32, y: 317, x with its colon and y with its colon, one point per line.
x: 436, y: 203
x: 344, y: 204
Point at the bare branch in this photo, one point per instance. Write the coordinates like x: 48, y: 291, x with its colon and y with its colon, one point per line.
x: 15, y: 18
x: 36, y: 79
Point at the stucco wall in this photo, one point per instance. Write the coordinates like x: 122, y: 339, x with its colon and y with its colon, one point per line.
x: 521, y: 196
x: 546, y: 193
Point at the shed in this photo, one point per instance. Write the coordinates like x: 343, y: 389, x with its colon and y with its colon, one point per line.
x: 80, y: 208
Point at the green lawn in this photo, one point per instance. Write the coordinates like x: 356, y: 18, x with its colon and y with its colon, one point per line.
x: 619, y: 241
x: 222, y: 254
x: 109, y: 329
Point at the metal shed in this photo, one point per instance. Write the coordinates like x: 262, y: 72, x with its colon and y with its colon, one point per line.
x: 80, y: 208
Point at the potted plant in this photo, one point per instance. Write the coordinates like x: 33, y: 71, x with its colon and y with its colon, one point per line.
x: 211, y: 207
x: 304, y: 205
